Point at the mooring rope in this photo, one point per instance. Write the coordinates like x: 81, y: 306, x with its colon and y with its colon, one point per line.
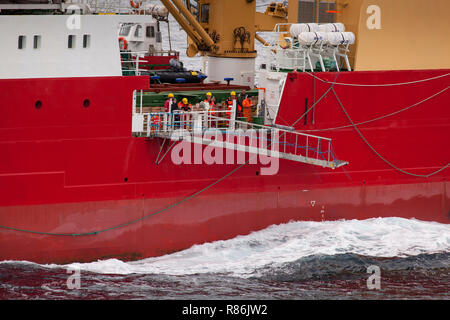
x: 227, y: 175
x: 381, y: 117
x: 377, y: 153
x: 378, y: 85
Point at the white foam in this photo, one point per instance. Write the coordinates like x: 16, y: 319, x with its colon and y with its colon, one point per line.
x: 244, y: 255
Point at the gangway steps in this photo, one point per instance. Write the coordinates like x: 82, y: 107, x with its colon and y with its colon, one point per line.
x: 199, y: 138
x: 200, y: 126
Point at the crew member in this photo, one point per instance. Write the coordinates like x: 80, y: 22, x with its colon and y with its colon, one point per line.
x: 184, y: 105
x: 209, y: 100
x: 247, y: 108
x: 184, y: 119
x: 242, y: 95
x: 170, y: 102
x: 229, y: 103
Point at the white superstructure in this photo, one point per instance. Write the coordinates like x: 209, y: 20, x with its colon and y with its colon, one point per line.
x: 67, y: 44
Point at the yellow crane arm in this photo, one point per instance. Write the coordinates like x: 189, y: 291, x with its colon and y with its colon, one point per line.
x: 187, y: 21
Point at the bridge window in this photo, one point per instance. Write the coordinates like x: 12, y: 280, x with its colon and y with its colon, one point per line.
x: 138, y: 31
x: 36, y: 42
x: 71, y: 41
x: 150, y: 32
x: 21, y: 43
x: 125, y: 29
x: 86, y: 40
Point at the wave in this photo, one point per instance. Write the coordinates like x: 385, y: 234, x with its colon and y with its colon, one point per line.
x: 280, y: 249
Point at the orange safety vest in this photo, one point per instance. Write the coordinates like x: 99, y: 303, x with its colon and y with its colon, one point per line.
x: 211, y: 106
x: 230, y: 106
x: 184, y: 107
x: 211, y: 103
x: 247, y: 105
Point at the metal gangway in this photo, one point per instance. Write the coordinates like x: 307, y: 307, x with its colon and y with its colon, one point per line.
x: 219, y: 129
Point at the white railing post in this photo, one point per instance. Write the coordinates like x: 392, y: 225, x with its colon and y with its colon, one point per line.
x: 329, y: 149
x: 165, y: 122
x: 307, y: 146
x: 140, y: 106
x: 233, y: 115
x: 134, y: 102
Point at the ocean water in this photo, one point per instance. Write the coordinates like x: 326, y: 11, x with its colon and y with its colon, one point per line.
x: 297, y: 260
x: 388, y: 258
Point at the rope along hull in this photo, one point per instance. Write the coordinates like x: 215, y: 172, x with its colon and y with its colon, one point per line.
x: 76, y: 186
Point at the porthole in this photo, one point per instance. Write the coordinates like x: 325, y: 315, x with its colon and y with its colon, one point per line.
x: 38, y: 104
x: 86, y: 103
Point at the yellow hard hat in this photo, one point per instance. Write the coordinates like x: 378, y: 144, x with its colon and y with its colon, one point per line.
x: 209, y: 94
x: 170, y: 95
x: 233, y: 93
x: 184, y: 100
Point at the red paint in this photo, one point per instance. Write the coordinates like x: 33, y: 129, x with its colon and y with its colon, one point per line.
x: 68, y: 168
x: 158, y: 62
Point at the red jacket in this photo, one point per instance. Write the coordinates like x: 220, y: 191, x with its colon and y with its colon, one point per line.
x: 167, y: 104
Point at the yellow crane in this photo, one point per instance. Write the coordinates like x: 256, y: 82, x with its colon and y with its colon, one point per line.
x: 225, y: 31
x: 401, y: 34
x: 227, y: 28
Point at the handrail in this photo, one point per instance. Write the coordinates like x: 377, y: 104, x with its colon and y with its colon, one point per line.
x: 197, y: 126
x: 209, y: 115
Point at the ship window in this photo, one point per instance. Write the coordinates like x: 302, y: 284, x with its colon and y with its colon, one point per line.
x: 71, y: 41
x: 124, y: 29
x: 205, y: 13
x: 36, y: 42
x: 150, y: 32
x: 21, y: 43
x: 86, y: 40
x: 138, y: 31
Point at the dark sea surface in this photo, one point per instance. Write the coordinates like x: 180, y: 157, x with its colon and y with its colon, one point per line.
x: 298, y: 260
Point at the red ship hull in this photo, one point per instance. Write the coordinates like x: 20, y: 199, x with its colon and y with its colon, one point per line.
x: 76, y: 186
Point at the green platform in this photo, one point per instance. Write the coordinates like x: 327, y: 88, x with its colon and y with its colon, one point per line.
x: 152, y: 99
x: 258, y: 120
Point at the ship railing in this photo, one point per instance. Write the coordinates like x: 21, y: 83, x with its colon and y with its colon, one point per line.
x: 134, y: 62
x: 130, y: 62
x: 221, y: 129
x: 303, y: 58
x: 288, y: 59
x: 162, y: 53
x: 338, y: 51
x: 286, y: 53
x: 108, y: 7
